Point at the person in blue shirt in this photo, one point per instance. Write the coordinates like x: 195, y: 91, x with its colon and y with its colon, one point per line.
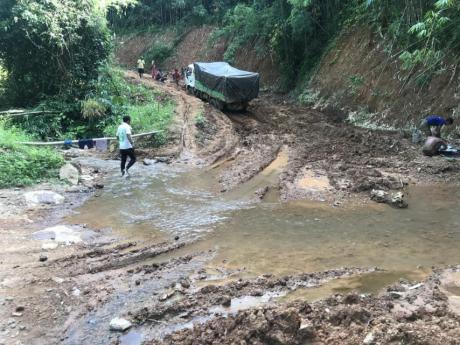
x: 433, y: 125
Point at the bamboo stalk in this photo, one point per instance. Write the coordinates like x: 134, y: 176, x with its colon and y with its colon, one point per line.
x: 20, y: 113
x: 55, y: 143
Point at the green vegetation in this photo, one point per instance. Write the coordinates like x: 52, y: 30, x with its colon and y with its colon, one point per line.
x: 355, y: 82
x: 424, y: 34
x: 148, y: 110
x: 296, y: 33
x: 109, y: 99
x: 67, y: 48
x: 24, y: 165
x: 158, y: 53
x: 200, y: 121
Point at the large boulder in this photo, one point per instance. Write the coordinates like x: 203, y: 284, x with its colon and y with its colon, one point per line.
x: 70, y: 173
x: 43, y: 197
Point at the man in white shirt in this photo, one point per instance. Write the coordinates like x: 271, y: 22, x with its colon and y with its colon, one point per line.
x: 126, y: 145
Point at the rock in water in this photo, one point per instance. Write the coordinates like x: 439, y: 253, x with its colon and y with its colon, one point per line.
x: 379, y: 196
x: 397, y: 200
x: 69, y: 173
x: 43, y: 197
x: 119, y: 325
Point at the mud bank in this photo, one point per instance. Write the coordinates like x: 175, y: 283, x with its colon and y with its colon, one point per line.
x: 423, y: 313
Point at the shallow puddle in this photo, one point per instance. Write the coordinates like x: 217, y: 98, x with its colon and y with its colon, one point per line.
x: 163, y: 201
x: 370, y: 283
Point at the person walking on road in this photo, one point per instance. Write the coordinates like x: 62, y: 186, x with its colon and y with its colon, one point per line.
x: 126, y: 143
x: 140, y: 66
x: 176, y: 76
x: 433, y: 125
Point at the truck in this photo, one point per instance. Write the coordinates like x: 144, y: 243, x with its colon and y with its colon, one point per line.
x: 225, y: 87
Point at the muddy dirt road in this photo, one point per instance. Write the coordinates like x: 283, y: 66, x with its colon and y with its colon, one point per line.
x: 327, y: 159
x: 201, y: 251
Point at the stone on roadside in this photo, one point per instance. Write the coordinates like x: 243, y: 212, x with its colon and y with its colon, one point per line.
x: 306, y: 329
x: 147, y: 161
x: 43, y: 197
x: 50, y: 245
x: 70, y: 173
x: 57, y: 280
x: 167, y: 295
x: 226, y: 301
x: 261, y: 192
x: 369, y: 339
x: 42, y: 258
x: 59, y: 234
x: 379, y: 196
x: 165, y: 160
x: 119, y: 325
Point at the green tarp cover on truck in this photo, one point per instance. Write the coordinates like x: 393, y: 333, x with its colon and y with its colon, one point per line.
x: 226, y: 83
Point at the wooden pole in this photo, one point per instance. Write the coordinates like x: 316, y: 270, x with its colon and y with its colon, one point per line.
x: 56, y: 143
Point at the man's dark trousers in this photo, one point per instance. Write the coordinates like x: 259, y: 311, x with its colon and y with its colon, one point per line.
x: 132, y: 158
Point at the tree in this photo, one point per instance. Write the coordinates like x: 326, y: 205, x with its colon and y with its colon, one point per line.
x: 51, y: 47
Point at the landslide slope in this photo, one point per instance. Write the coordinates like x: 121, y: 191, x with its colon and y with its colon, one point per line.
x: 362, y: 73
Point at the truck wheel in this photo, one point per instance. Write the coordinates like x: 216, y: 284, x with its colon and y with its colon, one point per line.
x: 217, y: 104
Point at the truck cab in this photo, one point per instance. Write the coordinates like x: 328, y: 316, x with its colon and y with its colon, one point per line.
x: 190, y: 78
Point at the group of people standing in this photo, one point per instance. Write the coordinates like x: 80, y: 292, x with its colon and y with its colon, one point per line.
x: 156, y: 73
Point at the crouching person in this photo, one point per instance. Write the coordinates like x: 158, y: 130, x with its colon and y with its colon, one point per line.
x: 433, y: 125
x: 433, y: 146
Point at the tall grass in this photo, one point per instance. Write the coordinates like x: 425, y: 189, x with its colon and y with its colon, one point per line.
x: 24, y: 165
x: 145, y: 118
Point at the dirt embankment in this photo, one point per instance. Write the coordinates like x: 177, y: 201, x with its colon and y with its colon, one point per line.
x: 360, y: 74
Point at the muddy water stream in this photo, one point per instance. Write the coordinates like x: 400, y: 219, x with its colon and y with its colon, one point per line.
x: 251, y: 238
x: 161, y: 202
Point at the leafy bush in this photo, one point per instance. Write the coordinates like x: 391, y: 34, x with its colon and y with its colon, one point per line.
x: 93, y: 109
x: 67, y: 48
x: 24, y: 165
x: 145, y: 118
x: 149, y: 110
x: 158, y: 52
x: 426, y: 30
x: 200, y: 121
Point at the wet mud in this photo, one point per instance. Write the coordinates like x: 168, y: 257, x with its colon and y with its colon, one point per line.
x: 197, y: 248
